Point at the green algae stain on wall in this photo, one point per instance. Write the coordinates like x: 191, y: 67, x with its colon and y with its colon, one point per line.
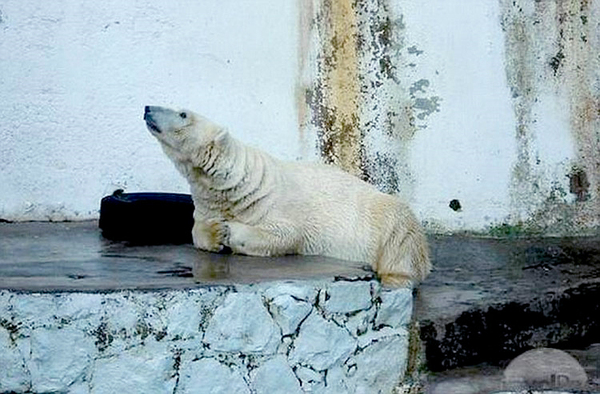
x: 551, y: 50
x: 357, y: 98
x: 579, y: 40
x: 522, y: 74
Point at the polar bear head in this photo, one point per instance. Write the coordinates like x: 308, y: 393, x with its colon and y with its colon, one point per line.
x: 184, y: 135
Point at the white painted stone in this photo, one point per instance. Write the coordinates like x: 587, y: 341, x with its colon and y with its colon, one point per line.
x: 129, y: 318
x: 143, y: 369
x: 321, y: 344
x: 284, y: 346
x: 81, y: 311
x: 300, y: 291
x: 311, y: 380
x: 208, y: 376
x: 361, y: 322
x: 59, y: 357
x: 346, y: 297
x: 5, y: 303
x: 396, y: 308
x: 150, y: 307
x: 288, y: 312
x: 79, y: 388
x: 79, y: 306
x: 122, y: 312
x: 376, y: 369
x: 183, y: 317
x: 275, y: 377
x: 56, y: 350
x: 13, y: 374
x: 242, y: 324
x: 376, y: 336
x: 31, y: 309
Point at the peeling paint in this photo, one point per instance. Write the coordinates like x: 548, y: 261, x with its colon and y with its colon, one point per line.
x: 580, y: 41
x: 426, y: 107
x: 520, y: 71
x: 360, y: 103
x: 414, y: 50
x: 334, y: 99
x: 551, y: 51
x: 418, y: 86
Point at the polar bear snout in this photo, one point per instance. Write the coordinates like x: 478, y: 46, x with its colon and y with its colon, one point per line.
x: 165, y: 120
x: 149, y: 117
x: 148, y: 110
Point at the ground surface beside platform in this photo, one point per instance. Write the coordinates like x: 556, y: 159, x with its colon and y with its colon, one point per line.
x: 489, y: 301
x: 484, y: 378
x: 476, y: 272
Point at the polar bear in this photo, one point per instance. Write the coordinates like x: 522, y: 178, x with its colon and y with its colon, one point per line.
x: 257, y: 205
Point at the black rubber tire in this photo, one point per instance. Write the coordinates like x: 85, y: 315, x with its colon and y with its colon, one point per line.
x: 147, y: 218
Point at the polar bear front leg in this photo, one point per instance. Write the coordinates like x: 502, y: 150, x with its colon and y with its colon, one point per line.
x: 210, y: 235
x: 268, y: 240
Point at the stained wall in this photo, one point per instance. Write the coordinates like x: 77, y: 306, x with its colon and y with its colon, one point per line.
x: 484, y: 115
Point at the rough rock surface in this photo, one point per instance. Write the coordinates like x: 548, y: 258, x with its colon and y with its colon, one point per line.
x: 321, y: 344
x: 273, y: 337
x: 242, y: 324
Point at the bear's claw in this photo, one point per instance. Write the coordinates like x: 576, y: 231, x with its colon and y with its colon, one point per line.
x: 219, y: 234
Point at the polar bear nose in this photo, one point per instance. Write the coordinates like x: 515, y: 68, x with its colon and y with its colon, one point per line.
x: 148, y: 112
x: 150, y: 122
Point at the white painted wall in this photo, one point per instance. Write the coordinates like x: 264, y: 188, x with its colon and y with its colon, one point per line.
x: 75, y: 75
x: 470, y: 149
x: 467, y: 150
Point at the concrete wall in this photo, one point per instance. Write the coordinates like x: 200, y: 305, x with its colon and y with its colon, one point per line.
x: 494, y: 104
x: 77, y: 74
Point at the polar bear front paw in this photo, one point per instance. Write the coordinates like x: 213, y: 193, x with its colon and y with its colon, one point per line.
x: 219, y: 233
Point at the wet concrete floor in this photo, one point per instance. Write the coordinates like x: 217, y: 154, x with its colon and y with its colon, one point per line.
x: 490, y: 300
x: 73, y: 256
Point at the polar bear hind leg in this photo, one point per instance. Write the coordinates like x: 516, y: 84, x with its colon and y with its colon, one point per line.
x: 403, y: 260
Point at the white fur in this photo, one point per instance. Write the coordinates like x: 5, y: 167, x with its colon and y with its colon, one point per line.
x: 257, y: 205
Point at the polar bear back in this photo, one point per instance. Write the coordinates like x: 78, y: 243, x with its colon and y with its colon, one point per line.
x: 339, y: 214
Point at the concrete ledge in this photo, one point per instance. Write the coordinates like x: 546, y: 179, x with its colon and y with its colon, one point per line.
x: 490, y: 300
x: 82, y: 315
x: 279, y: 337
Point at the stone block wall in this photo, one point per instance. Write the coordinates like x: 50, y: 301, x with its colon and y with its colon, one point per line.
x: 279, y: 337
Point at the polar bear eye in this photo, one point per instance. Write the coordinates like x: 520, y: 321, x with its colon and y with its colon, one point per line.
x: 183, y: 115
